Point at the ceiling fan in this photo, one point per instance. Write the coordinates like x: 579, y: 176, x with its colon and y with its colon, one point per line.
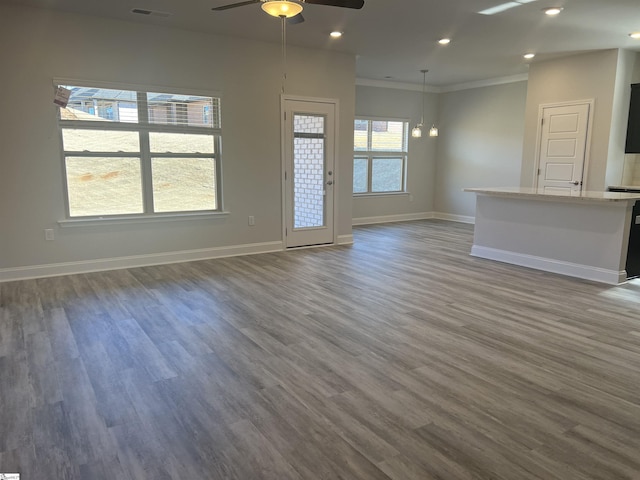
x: 291, y: 9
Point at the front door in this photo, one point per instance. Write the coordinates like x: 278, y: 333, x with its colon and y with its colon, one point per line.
x: 308, y: 145
x: 563, y: 146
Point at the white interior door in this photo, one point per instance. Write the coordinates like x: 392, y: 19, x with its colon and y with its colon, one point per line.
x: 308, y: 146
x: 563, y: 147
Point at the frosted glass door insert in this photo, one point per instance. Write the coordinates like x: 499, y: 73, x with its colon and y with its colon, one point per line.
x: 308, y: 171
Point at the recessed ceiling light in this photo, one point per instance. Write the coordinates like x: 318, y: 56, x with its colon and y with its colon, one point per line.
x: 635, y: 35
x: 335, y: 34
x: 529, y: 56
x: 553, y: 11
x: 444, y: 41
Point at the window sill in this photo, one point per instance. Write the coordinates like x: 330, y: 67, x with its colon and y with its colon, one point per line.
x: 381, y: 194
x: 128, y: 220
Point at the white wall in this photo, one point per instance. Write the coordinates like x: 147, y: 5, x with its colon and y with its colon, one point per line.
x: 480, y: 143
x: 404, y: 104
x: 39, y: 45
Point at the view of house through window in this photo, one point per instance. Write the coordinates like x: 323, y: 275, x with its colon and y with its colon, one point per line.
x: 380, y: 156
x: 131, y: 152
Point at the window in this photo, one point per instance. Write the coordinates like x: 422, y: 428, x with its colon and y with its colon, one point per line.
x: 380, y: 156
x: 140, y: 153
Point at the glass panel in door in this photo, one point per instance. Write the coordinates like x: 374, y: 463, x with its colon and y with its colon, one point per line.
x: 308, y: 171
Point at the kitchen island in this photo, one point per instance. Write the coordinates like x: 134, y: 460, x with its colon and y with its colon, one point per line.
x: 581, y: 234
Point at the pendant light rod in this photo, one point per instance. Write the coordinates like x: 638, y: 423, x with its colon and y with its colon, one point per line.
x: 283, y: 19
x: 424, y: 81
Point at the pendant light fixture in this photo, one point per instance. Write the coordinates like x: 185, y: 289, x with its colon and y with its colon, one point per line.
x: 416, y: 132
x: 281, y: 8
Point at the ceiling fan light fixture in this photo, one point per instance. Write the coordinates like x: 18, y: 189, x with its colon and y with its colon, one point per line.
x: 281, y: 8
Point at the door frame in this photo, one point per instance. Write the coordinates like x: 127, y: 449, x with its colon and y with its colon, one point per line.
x: 284, y: 98
x: 587, y: 149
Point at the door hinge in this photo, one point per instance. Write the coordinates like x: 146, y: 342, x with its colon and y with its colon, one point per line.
x: 286, y: 232
x: 542, y: 121
x: 539, y: 171
x: 285, y: 175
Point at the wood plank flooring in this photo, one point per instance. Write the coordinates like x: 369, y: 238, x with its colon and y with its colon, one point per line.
x: 400, y: 357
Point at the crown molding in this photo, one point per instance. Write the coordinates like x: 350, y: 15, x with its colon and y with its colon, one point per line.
x: 486, y: 83
x: 367, y: 82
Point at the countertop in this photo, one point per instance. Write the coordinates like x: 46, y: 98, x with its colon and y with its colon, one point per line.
x: 523, y: 192
x: 626, y: 187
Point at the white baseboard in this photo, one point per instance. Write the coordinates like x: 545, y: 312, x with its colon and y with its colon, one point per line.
x: 587, y: 272
x: 454, y: 218
x: 407, y: 217
x: 345, y: 239
x: 70, y: 268
x: 403, y: 217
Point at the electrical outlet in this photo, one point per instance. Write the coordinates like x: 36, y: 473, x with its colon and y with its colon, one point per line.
x: 48, y: 234
x: 252, y: 220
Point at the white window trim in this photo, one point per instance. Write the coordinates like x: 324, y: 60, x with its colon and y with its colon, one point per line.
x: 126, y: 219
x: 146, y: 216
x: 370, y: 154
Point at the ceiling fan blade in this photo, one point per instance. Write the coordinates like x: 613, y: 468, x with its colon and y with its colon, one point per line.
x: 234, y: 5
x: 338, y: 3
x: 295, y: 19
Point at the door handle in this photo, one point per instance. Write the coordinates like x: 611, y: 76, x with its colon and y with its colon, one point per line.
x: 330, y: 182
x: 574, y: 182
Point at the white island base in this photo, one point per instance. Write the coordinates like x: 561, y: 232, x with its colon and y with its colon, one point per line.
x: 583, y: 234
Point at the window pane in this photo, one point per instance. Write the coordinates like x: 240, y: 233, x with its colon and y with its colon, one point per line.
x: 360, y: 175
x: 386, y: 175
x: 100, y: 104
x: 184, y: 184
x: 180, y: 143
x: 76, y: 140
x: 103, y: 186
x: 308, y: 179
x: 188, y: 110
x: 308, y: 124
x: 360, y: 133
x: 387, y: 136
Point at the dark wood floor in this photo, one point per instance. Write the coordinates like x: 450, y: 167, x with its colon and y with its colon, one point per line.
x: 401, y: 358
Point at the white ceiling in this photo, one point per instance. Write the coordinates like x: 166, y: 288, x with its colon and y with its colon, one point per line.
x: 395, y: 39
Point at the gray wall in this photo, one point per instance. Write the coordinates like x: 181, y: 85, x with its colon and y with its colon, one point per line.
x: 578, y: 77
x: 480, y: 143
x: 619, y: 117
x: 40, y: 45
x: 405, y: 104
